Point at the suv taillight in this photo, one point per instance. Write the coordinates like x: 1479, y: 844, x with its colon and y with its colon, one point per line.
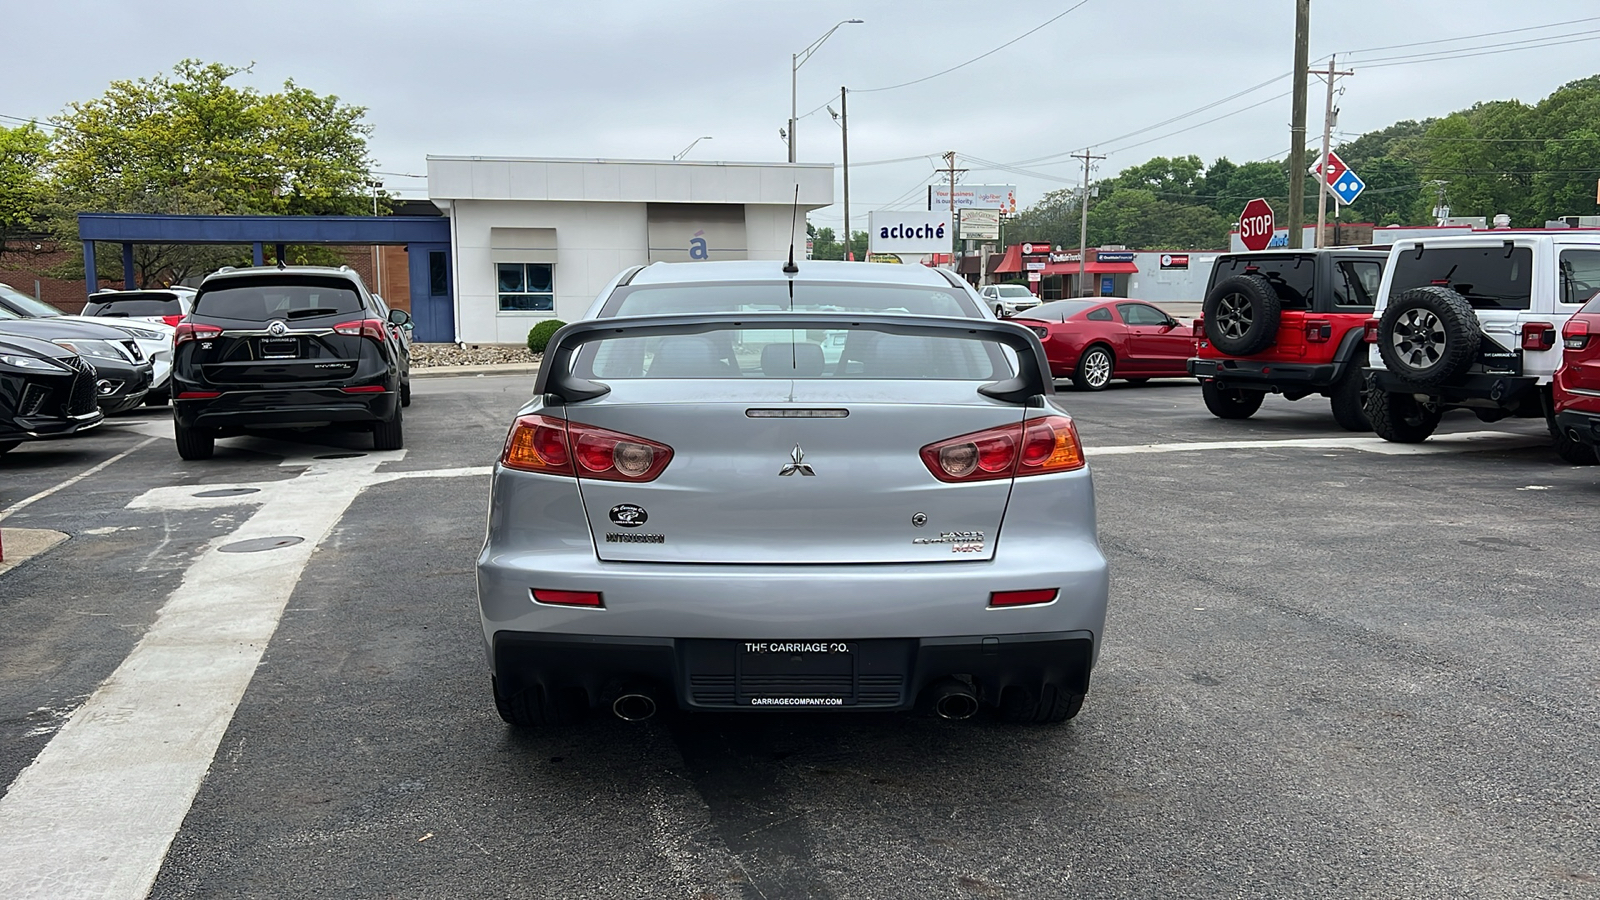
x: 1538, y: 335
x: 189, y: 331
x: 1319, y: 332
x: 1575, y: 336
x: 557, y: 447
x: 173, y: 320
x: 1199, y: 327
x: 1035, y: 447
x: 372, y: 328
x: 1369, y: 331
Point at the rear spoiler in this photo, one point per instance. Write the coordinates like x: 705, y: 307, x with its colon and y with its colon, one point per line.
x: 557, y: 380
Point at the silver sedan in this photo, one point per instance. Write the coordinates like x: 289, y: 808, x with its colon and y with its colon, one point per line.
x: 866, y: 503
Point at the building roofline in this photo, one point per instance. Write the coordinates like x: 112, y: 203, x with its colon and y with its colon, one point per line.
x: 630, y: 162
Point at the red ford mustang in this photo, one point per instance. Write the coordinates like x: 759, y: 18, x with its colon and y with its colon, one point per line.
x: 1095, y: 340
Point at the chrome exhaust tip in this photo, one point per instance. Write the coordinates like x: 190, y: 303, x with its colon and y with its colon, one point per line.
x: 634, y: 707
x: 954, y: 700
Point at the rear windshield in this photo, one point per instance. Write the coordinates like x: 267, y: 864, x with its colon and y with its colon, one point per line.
x: 289, y: 297
x: 646, y: 300
x: 142, y: 305
x: 850, y: 353
x: 1488, y: 277
x: 1059, y: 310
x: 1293, y: 278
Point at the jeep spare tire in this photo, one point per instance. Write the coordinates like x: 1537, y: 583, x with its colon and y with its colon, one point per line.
x: 1428, y: 335
x: 1242, y: 314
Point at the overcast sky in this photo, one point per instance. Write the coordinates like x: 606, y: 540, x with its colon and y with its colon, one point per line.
x: 644, y: 79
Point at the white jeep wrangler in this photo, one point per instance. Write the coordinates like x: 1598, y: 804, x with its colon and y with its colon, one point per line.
x: 1474, y: 322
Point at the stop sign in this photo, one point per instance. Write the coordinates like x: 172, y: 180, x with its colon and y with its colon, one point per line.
x: 1256, y: 225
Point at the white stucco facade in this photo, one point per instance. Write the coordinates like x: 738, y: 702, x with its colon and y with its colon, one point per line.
x: 572, y: 225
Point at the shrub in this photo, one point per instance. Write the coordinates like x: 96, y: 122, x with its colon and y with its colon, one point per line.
x: 539, y: 337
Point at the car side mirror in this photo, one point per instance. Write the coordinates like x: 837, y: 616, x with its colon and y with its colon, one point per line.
x: 399, y: 317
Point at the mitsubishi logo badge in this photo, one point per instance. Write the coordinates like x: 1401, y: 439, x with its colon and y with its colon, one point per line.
x: 798, y: 464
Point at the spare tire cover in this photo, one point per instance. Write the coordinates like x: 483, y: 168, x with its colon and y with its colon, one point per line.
x: 1242, y: 314
x: 1428, y: 335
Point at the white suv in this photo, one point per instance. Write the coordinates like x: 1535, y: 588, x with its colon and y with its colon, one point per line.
x: 1008, y: 299
x: 1473, y: 322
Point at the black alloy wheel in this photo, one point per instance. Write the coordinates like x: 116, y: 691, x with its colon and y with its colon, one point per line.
x: 1242, y: 314
x: 1428, y: 335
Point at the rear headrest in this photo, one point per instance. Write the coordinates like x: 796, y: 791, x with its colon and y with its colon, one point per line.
x: 688, y: 356
x: 791, y: 360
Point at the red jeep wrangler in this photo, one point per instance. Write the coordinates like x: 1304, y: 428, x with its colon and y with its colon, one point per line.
x: 1288, y: 322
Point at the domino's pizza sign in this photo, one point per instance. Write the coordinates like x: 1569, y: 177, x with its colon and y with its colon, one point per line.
x: 1348, y: 187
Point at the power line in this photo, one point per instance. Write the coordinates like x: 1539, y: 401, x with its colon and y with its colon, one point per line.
x: 1468, y: 37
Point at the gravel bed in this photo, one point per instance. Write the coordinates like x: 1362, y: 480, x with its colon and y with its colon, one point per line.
x: 425, y: 355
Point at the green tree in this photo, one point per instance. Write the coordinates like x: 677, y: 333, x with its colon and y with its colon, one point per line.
x: 195, y: 142
x: 23, y: 187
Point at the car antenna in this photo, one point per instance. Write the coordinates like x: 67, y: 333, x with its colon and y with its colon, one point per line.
x: 789, y: 268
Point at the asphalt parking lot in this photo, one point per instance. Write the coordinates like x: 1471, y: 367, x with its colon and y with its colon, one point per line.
x: 1334, y: 667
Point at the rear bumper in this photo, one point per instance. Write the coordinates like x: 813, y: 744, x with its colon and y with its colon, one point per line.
x: 1583, y: 427
x: 284, y: 408
x: 1274, y: 377
x: 1509, y: 391
x: 709, y: 674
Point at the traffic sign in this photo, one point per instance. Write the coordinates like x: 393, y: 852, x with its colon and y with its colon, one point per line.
x: 1348, y: 187
x: 1256, y: 225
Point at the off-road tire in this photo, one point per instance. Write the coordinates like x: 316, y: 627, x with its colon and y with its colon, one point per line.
x: 194, y: 443
x: 532, y: 707
x: 1349, y: 406
x: 1054, y: 704
x: 1231, y: 403
x: 8, y: 446
x: 1242, y: 314
x: 405, y: 393
x: 1400, y: 418
x: 1428, y: 335
x: 1575, y: 452
x: 1095, y: 368
x: 390, y: 434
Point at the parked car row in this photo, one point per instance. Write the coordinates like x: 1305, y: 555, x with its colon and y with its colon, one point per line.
x: 291, y: 347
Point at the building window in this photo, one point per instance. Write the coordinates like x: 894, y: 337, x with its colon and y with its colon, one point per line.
x: 438, y: 275
x: 527, y: 287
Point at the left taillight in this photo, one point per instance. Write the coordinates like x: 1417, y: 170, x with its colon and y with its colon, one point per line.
x: 189, y: 331
x: 1035, y: 447
x: 1369, y: 331
x: 557, y: 447
x: 1575, y: 336
x: 369, y: 328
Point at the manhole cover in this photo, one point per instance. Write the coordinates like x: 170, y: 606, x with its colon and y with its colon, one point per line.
x: 228, y: 492
x: 256, y: 545
x: 340, y: 456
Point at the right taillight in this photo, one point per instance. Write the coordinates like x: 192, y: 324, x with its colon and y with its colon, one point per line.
x: 1369, y: 331
x: 557, y: 447
x: 1199, y: 326
x: 189, y: 331
x: 172, y: 320
x: 1035, y: 447
x: 1575, y: 336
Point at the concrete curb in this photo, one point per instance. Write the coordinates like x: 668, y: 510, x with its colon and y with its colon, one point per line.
x: 497, y: 369
x: 23, y: 544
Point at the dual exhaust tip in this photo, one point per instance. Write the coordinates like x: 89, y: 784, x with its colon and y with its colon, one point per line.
x: 952, y: 699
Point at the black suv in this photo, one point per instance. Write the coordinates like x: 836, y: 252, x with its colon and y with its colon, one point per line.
x: 45, y: 391
x: 292, y: 347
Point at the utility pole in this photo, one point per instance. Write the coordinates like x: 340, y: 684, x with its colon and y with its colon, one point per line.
x: 1083, y: 226
x: 950, y: 166
x: 844, y: 124
x: 1322, y: 169
x: 1297, y: 124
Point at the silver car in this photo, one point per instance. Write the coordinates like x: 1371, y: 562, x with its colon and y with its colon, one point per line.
x: 1006, y: 300
x: 741, y: 489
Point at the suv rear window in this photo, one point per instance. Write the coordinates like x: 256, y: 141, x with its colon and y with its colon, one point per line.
x: 142, y: 305
x: 278, y: 297
x: 1293, y: 278
x: 1488, y: 277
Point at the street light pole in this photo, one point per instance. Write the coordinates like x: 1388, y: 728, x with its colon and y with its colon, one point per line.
x: 685, y: 151
x: 844, y: 126
x: 795, y: 62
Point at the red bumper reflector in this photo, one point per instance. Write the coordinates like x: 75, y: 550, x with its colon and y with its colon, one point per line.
x: 364, y: 389
x: 198, y: 395
x: 1023, y: 598
x: 567, y: 598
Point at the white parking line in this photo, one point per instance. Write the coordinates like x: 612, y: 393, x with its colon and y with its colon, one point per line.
x: 28, y: 501
x: 1468, y: 441
x: 94, y: 814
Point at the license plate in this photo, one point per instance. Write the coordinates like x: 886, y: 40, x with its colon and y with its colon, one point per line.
x: 280, y: 349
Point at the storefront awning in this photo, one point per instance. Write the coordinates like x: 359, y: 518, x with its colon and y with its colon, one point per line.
x: 1092, y: 268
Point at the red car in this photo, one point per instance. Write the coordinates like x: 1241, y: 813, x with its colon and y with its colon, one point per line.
x: 1575, y: 392
x: 1093, y: 341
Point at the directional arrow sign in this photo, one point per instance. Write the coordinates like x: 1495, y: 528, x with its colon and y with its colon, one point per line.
x: 1348, y: 187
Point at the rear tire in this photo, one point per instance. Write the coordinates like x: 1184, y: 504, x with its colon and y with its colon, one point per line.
x: 1052, y: 705
x: 533, y: 708
x: 1400, y: 418
x: 389, y: 435
x: 158, y: 398
x: 1349, y: 407
x: 1094, y: 369
x: 1231, y: 403
x: 194, y: 443
x: 1575, y: 452
x: 405, y: 393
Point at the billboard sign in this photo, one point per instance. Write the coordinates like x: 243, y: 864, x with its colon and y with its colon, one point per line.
x: 908, y: 231
x: 1174, y: 260
x: 975, y: 196
x: 979, y: 224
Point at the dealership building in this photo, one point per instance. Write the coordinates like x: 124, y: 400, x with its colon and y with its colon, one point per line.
x: 535, y: 239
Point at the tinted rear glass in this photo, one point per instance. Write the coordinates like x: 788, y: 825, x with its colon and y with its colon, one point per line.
x: 1293, y: 278
x: 1489, y: 277
x: 287, y: 297
x: 646, y: 300
x: 832, y: 353
x: 146, y: 305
